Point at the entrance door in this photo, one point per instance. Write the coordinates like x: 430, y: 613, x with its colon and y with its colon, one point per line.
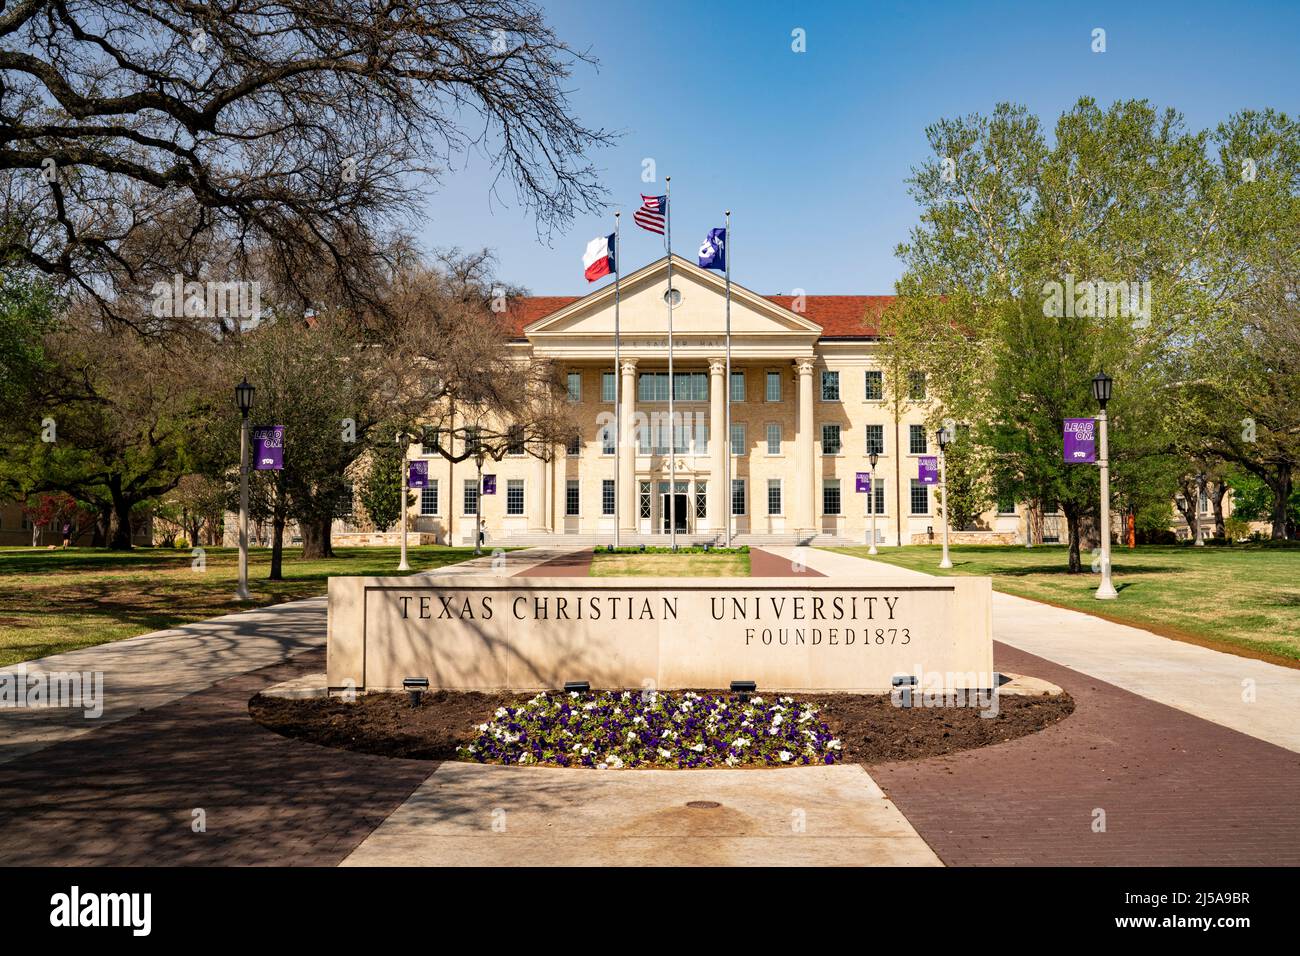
x: 676, y: 505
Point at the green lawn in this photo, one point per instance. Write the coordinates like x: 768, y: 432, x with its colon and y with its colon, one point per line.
x: 54, y: 601
x: 685, y: 565
x: 1237, y: 599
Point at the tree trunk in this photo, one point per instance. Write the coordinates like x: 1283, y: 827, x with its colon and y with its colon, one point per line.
x: 1189, y: 505
x: 316, y: 539
x: 277, y: 548
x: 1216, y: 499
x: 102, y: 523
x: 1281, y: 485
x: 1072, y: 523
x: 121, y: 539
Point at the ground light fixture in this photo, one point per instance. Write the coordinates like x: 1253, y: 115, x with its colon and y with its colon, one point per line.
x: 577, y: 687
x: 415, y: 686
x: 244, y: 402
x: 744, y: 688
x: 903, y: 685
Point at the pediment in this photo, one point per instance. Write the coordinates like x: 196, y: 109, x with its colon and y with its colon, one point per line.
x: 643, y: 310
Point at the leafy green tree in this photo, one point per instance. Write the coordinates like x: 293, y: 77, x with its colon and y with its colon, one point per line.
x: 381, y: 488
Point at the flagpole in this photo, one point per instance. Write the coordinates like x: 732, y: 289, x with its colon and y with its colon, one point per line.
x: 672, y: 419
x: 726, y: 262
x: 618, y: 406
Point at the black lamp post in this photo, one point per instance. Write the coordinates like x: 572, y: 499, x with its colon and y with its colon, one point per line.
x: 1101, y: 386
x: 944, y: 437
x: 244, y: 402
x: 871, y: 501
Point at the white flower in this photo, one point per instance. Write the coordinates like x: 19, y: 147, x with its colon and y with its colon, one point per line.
x: 776, y: 721
x: 501, y: 712
x: 698, y: 748
x: 741, y: 742
x: 483, y: 728
x: 631, y: 737
x: 833, y: 745
x: 785, y: 756
x: 731, y: 760
x: 756, y: 700
x: 665, y: 753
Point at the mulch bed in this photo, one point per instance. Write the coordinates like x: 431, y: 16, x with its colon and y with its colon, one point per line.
x: 871, y: 729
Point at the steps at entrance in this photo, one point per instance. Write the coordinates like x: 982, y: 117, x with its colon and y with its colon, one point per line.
x: 591, y: 540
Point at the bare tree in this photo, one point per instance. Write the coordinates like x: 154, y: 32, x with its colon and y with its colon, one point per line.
x: 138, y: 135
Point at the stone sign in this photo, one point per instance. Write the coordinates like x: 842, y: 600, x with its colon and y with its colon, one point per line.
x: 809, y: 634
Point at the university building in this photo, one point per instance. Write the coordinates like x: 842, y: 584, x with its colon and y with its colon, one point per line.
x: 808, y: 404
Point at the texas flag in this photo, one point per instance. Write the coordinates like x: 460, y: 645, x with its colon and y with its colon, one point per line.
x: 598, y: 260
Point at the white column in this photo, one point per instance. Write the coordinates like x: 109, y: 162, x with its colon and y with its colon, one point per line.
x: 627, y: 507
x: 804, y: 513
x: 717, y: 501
x: 537, y: 496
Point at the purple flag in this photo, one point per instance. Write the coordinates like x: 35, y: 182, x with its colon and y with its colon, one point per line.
x: 1080, y: 440
x: 927, y: 470
x: 713, y: 250
x: 863, y: 483
x: 489, y: 484
x: 268, y: 447
x: 418, y: 476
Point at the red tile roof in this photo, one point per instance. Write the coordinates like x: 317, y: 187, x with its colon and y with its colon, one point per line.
x: 840, y: 316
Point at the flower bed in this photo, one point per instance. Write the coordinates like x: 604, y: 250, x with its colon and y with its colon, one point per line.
x: 613, y: 730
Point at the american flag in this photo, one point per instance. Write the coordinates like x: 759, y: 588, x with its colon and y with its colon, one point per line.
x: 651, y: 214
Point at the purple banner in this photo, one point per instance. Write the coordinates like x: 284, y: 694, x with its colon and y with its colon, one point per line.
x: 1080, y: 440
x: 489, y: 484
x: 863, y: 483
x: 268, y: 447
x: 418, y: 476
x: 927, y: 470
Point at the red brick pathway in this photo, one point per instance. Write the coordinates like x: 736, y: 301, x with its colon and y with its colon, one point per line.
x: 124, y: 794
x: 1177, y: 790
x: 765, y: 564
x: 575, y: 564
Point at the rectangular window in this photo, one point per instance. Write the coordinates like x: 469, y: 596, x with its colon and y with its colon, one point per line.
x: 830, y: 386
x: 472, y: 439
x: 773, y: 393
x: 608, y: 446
x: 607, y: 496
x: 607, y: 386
x: 920, y: 498
x: 515, y: 438
x: 689, y: 387
x: 1006, y: 502
x: 738, y: 438
x: 470, y: 499
x: 575, y: 386
x: 429, y: 499
x: 737, y: 496
x: 515, y: 496
x: 572, y: 497
x: 701, y: 436
x: 831, y: 496
x: 774, y: 496
x: 701, y: 499
x: 737, y: 386
x: 429, y: 438
x: 643, y: 504
x: 875, y: 385
x: 878, y: 494
x: 876, y: 439
x: 574, y: 447
x: 918, y: 442
x: 916, y: 386
x: 773, y: 438
x: 830, y: 439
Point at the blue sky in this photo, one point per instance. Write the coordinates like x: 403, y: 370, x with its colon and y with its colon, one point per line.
x: 810, y: 150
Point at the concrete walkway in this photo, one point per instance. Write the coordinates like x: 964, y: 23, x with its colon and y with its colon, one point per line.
x: 1253, y: 697
x: 478, y: 815
x: 148, y: 671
